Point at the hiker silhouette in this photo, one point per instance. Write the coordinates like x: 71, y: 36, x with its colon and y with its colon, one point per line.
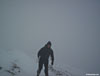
x: 43, y: 56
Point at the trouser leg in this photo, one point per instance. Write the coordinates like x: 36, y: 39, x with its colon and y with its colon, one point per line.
x: 46, y: 68
x: 39, y: 68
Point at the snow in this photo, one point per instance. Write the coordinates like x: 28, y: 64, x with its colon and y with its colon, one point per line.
x: 27, y: 65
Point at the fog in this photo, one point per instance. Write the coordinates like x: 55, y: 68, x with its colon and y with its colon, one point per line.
x: 73, y: 27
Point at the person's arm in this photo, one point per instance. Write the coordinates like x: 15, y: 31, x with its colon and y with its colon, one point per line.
x: 39, y: 53
x: 52, y: 57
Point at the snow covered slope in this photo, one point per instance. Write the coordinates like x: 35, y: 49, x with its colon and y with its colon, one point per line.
x: 19, y: 63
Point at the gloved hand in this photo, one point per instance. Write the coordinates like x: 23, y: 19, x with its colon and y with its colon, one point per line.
x: 51, y: 63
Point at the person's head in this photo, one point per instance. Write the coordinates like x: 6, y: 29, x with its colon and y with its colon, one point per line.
x: 49, y: 44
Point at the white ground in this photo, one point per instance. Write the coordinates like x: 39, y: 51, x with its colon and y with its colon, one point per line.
x: 28, y: 65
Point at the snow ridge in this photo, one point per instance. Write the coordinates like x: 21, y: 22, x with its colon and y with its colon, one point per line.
x: 18, y: 63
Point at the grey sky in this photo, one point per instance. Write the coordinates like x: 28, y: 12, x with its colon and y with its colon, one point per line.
x: 73, y: 26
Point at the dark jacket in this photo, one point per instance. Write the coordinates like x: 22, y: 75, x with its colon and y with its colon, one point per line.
x: 44, y: 54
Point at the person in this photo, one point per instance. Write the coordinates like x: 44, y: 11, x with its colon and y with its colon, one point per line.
x: 43, y: 56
